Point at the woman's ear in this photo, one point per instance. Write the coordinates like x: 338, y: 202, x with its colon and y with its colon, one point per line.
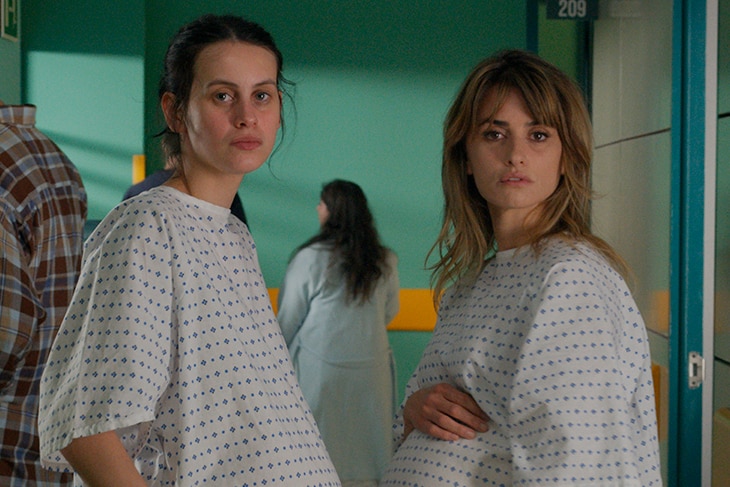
x: 172, y: 116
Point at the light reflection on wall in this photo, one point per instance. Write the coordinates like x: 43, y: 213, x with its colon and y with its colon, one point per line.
x: 92, y: 106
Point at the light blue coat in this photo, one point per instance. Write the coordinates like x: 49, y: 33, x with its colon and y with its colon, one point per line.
x: 343, y: 360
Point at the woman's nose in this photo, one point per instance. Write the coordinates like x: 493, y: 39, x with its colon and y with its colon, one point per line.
x: 245, y: 115
x: 516, y: 152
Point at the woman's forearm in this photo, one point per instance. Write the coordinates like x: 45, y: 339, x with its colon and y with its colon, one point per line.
x: 101, y: 460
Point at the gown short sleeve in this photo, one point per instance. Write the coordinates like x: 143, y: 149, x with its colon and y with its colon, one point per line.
x: 126, y: 280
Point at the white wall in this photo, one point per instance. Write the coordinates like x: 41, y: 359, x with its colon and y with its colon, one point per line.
x: 632, y: 86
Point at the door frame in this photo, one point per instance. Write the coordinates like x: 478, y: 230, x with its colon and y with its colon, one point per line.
x: 692, y: 254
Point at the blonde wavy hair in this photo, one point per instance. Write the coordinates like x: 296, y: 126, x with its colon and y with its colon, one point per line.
x: 466, y: 240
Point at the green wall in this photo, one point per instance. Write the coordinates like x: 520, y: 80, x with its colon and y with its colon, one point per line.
x: 373, y: 82
x: 10, y: 71
x: 565, y: 43
x: 83, y: 67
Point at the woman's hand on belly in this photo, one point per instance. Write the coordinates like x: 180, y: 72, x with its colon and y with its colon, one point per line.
x: 444, y: 412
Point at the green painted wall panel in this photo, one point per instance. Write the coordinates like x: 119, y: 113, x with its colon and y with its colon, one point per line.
x: 407, y: 348
x: 374, y: 80
x: 9, y: 71
x: 83, y: 67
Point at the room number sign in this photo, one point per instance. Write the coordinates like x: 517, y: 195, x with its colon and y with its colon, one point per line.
x: 572, y: 9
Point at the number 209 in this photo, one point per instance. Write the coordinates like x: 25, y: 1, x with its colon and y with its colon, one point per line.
x: 572, y: 8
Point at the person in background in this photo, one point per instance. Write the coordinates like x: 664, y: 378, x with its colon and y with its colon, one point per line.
x: 170, y: 367
x: 538, y: 371
x: 43, y: 209
x: 160, y: 177
x: 338, y: 296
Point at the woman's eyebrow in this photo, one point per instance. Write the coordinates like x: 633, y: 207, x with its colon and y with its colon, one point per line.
x: 503, y: 123
x: 225, y: 82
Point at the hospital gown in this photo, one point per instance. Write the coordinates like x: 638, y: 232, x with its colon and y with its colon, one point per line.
x: 553, y: 348
x: 343, y: 359
x: 171, y: 341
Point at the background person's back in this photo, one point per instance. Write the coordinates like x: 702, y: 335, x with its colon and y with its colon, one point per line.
x: 42, y: 213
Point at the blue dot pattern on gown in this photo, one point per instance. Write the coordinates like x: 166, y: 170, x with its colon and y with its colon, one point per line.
x: 171, y: 341
x: 554, y: 350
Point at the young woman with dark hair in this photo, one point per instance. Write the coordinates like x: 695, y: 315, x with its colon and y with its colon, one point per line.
x: 170, y: 368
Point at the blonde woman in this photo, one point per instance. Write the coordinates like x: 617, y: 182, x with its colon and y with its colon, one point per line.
x: 538, y: 370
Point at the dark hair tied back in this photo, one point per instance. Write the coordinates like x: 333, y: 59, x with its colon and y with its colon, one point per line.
x: 183, y: 51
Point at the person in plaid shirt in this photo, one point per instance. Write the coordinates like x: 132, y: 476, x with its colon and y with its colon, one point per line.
x: 43, y: 208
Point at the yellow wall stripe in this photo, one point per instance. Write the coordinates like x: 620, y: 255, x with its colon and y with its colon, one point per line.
x: 416, y: 310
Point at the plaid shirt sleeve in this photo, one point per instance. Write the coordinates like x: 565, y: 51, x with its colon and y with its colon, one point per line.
x: 20, y: 307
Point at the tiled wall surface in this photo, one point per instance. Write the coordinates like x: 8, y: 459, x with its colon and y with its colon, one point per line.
x: 632, y: 121
x: 632, y: 118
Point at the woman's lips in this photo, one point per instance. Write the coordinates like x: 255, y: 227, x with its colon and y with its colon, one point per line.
x: 514, y: 179
x: 247, y: 143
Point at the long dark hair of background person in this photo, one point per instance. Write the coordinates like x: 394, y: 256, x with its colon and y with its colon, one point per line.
x: 351, y: 232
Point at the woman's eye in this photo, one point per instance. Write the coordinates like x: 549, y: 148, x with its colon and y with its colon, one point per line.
x: 262, y: 96
x: 223, y: 97
x: 493, y: 135
x: 540, y: 136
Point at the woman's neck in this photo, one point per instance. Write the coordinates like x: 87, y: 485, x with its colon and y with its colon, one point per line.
x: 218, y: 192
x: 510, y: 234
x: 513, y: 228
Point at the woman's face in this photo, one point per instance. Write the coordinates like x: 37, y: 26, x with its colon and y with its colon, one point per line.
x: 323, y: 213
x: 233, y: 113
x: 514, y: 160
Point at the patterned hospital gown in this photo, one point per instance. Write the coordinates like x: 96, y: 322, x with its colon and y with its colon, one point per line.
x: 554, y: 350
x: 171, y: 341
